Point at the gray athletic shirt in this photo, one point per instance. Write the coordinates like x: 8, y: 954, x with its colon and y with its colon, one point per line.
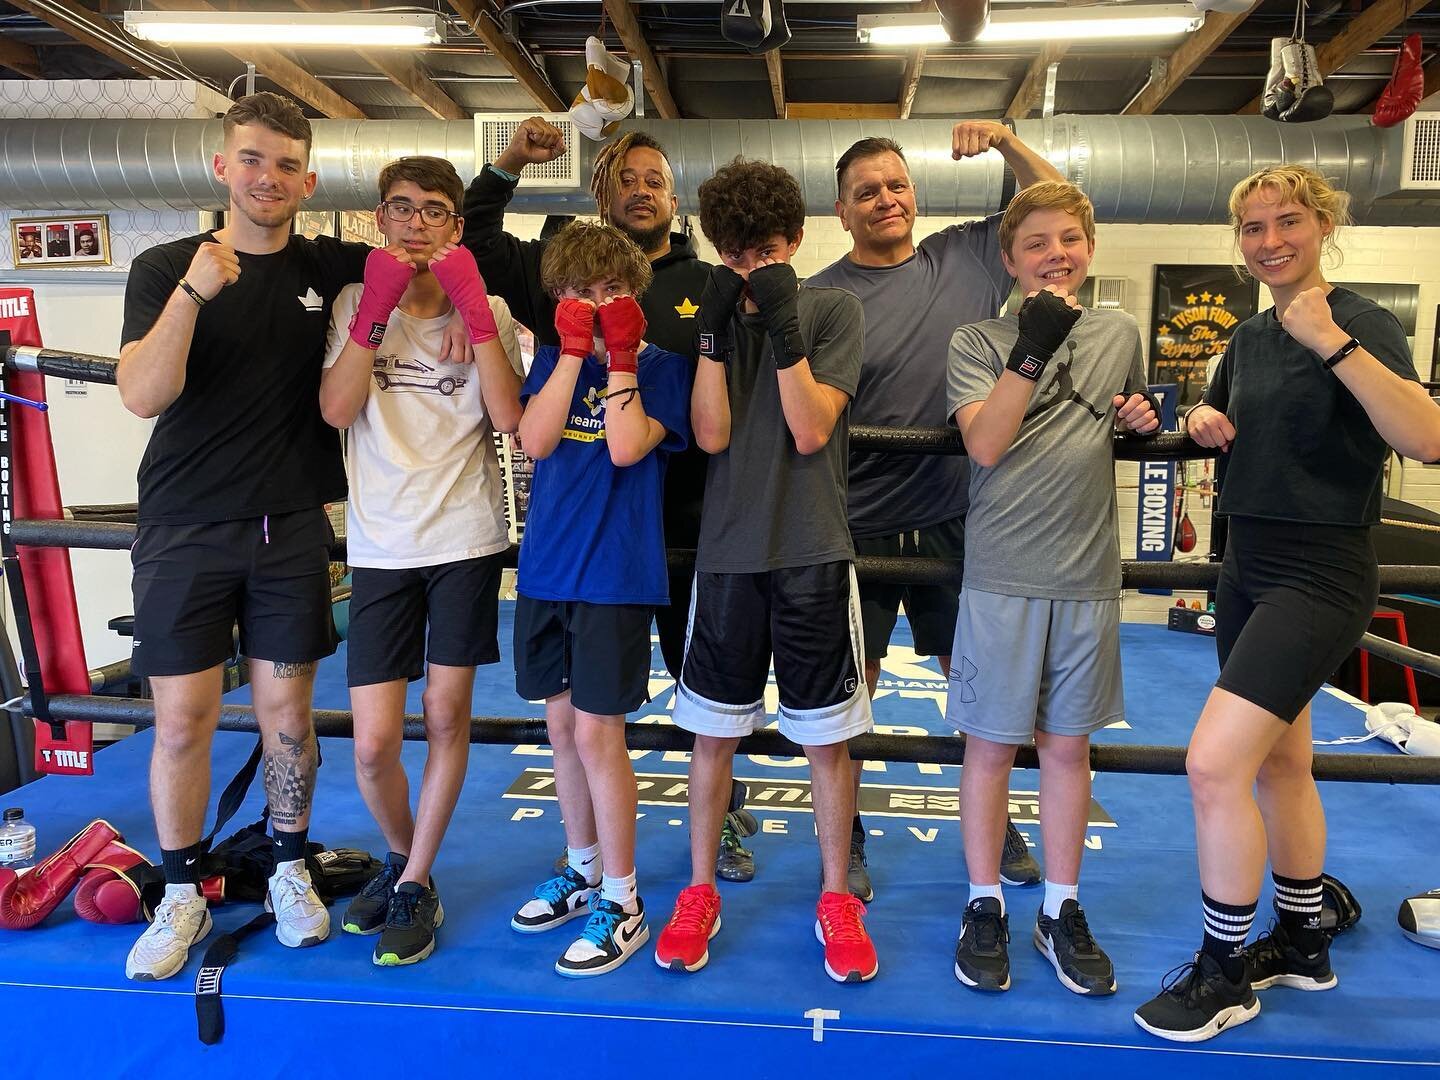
x: 1042, y: 520
x: 767, y: 505
x: 911, y: 309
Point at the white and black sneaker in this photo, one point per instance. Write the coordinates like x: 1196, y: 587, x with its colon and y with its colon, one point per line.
x: 300, y: 915
x: 1018, y: 866
x: 1079, y: 963
x: 556, y: 901
x: 1197, y: 1002
x: 609, y: 938
x: 1274, y: 960
x: 181, y: 921
x: 982, y: 956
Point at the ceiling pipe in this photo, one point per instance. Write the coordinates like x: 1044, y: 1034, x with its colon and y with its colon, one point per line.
x: 963, y: 19
x: 1136, y: 169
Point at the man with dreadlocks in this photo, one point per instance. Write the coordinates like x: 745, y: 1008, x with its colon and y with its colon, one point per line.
x: 634, y: 191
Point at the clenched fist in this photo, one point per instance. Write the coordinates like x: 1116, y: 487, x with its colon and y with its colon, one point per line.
x: 213, y: 267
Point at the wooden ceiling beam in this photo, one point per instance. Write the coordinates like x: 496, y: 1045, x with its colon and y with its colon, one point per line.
x: 841, y: 110
x: 622, y: 15
x: 775, y: 68
x: 83, y: 25
x: 1032, y: 86
x: 480, y: 14
x: 19, y: 58
x: 1181, y: 64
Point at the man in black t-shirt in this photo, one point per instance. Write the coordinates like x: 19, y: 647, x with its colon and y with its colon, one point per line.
x: 223, y: 343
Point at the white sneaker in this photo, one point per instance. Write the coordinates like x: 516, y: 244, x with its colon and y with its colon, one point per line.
x: 181, y: 920
x: 300, y: 916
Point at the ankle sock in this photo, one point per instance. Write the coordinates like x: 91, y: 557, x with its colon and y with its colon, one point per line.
x: 182, y: 865
x: 1226, y: 928
x: 586, y: 861
x: 290, y: 846
x: 1055, y: 895
x: 620, y: 890
x: 978, y: 891
x: 1298, y: 902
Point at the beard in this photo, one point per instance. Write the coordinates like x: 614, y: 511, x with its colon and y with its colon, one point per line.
x: 648, y: 238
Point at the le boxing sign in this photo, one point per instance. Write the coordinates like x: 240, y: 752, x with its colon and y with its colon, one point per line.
x: 1155, y: 500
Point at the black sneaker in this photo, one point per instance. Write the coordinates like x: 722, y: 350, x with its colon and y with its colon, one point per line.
x: 857, y: 878
x: 610, y: 936
x: 1017, y: 865
x: 735, y: 862
x: 415, y: 914
x: 1067, y: 943
x: 981, y: 957
x: 1197, y: 1002
x: 367, y: 911
x: 1273, y: 960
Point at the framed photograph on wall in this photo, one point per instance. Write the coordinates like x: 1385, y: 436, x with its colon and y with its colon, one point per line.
x: 1195, y: 309
x: 81, y: 240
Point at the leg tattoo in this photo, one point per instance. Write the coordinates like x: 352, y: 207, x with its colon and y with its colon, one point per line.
x: 290, y: 779
x: 293, y: 671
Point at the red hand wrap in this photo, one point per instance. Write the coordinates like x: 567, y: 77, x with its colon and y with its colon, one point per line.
x: 460, y: 278
x: 386, y: 279
x: 622, y: 325
x: 575, y: 323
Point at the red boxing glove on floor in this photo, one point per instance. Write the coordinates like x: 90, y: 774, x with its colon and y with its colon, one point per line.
x: 460, y: 278
x: 575, y: 323
x: 622, y: 325
x: 386, y: 279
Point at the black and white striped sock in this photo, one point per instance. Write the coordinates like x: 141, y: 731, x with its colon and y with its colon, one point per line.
x: 1226, y: 928
x: 1298, y: 901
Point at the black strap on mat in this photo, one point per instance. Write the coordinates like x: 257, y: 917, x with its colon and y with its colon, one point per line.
x: 209, y: 1011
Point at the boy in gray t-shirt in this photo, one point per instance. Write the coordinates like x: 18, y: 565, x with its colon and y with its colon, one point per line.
x: 1037, y: 396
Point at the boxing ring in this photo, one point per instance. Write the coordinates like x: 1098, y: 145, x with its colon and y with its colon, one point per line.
x: 488, y: 1000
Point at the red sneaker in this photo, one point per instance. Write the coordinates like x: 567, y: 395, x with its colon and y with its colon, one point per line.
x: 684, y: 944
x: 849, y: 953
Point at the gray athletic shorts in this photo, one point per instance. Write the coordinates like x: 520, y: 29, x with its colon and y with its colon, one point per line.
x: 1019, y: 664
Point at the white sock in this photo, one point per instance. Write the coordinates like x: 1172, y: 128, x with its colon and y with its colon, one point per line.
x: 620, y: 890
x: 1055, y: 895
x: 978, y: 891
x: 175, y: 891
x: 586, y: 860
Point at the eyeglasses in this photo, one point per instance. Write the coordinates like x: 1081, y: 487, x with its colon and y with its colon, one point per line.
x: 430, y: 215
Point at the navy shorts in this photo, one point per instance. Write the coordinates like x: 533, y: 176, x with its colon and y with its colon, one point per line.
x: 930, y: 610
x: 392, y: 610
x: 600, y: 653
x: 1291, y: 604
x: 193, y: 583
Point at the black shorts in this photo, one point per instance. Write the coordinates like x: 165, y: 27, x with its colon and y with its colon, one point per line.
x: 932, y: 611
x: 598, y: 652
x: 1291, y: 604
x: 808, y: 619
x: 391, y: 609
x: 193, y: 583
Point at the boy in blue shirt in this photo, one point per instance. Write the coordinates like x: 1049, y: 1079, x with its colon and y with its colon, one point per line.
x: 602, y: 412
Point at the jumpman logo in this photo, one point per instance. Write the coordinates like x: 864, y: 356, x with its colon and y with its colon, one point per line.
x: 1062, y: 389
x: 964, y: 675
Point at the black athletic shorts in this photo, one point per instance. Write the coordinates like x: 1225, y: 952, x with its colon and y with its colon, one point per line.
x: 390, y: 611
x: 932, y: 611
x: 1292, y: 602
x: 193, y: 583
x: 599, y: 652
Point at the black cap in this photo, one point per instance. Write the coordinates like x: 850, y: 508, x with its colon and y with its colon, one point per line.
x: 14, y: 813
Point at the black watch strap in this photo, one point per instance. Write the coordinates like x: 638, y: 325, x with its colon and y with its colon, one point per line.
x: 1341, y: 353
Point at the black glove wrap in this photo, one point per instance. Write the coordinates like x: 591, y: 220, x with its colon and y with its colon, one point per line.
x: 717, y: 311
x: 1045, y: 322
x: 776, y: 290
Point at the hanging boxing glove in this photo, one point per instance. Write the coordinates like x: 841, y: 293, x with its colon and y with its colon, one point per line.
x: 1313, y: 99
x: 757, y: 25
x: 606, y: 98
x: 1277, y: 94
x: 1406, y: 87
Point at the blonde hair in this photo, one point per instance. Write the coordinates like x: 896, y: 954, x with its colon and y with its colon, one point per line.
x: 610, y: 163
x: 584, y: 252
x: 1302, y: 186
x: 1047, y: 195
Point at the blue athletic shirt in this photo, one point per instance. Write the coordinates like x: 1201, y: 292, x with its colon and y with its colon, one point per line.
x: 594, y: 531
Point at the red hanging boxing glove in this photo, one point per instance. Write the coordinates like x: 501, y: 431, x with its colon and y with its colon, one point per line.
x: 1406, y: 87
x: 575, y: 323
x: 622, y: 325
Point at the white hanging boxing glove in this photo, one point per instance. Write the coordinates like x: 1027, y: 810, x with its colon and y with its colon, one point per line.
x: 606, y: 98
x: 1313, y: 99
x: 1277, y: 94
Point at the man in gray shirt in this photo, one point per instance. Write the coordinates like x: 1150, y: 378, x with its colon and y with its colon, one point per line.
x: 914, y: 295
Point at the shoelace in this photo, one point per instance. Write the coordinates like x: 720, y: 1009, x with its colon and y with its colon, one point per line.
x: 560, y: 886
x: 730, y: 837
x: 290, y: 890
x: 604, y: 917
x: 382, y: 884
x: 1015, y: 846
x: 857, y: 853
x: 1077, y: 929
x: 165, y: 913
x: 692, y: 911
x: 841, y: 921
x: 1185, y: 983
x: 402, y: 908
x: 990, y: 930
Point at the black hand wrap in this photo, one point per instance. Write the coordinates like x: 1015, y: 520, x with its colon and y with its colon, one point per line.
x: 717, y: 311
x: 776, y: 290
x: 1045, y: 322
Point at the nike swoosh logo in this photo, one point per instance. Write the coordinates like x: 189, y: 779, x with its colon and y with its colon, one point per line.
x: 627, y: 935
x: 1222, y: 1025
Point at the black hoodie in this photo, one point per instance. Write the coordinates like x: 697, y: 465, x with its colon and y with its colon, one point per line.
x: 511, y: 268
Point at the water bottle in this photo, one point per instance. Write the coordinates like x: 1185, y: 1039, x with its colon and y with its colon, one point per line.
x: 17, y: 840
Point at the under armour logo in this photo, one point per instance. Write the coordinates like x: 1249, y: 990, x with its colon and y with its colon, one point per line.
x: 965, y: 676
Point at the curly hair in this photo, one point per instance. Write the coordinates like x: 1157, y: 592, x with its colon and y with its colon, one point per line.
x: 585, y: 252
x: 1297, y: 184
x: 748, y: 202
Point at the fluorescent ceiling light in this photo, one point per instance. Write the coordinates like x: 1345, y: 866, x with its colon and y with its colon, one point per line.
x: 370, y: 29
x: 1040, y: 24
